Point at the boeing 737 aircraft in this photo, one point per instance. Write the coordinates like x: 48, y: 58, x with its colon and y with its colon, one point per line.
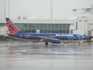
x: 43, y: 37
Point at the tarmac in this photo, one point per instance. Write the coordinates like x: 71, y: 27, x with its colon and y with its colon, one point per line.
x: 18, y: 55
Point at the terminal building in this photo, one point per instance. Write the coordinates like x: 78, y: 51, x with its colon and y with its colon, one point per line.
x: 80, y: 25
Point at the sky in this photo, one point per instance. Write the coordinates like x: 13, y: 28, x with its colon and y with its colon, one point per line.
x: 41, y: 9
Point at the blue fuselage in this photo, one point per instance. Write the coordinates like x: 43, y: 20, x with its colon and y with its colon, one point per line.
x: 60, y: 36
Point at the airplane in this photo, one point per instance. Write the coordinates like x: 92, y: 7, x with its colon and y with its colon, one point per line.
x: 43, y: 37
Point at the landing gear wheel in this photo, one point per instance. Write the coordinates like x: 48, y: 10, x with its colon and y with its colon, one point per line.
x: 46, y: 43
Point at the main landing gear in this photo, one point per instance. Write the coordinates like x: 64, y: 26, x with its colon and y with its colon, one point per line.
x: 46, y: 43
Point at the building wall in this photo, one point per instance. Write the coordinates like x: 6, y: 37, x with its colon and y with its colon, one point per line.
x: 81, y: 25
x: 44, y: 28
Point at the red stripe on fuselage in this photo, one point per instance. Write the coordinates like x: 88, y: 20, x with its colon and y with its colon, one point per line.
x: 34, y: 39
x: 42, y: 40
x: 72, y: 40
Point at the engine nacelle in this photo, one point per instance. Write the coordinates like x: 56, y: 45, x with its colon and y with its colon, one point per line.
x: 56, y: 41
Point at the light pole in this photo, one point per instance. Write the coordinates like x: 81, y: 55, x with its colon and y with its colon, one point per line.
x: 8, y: 8
x: 4, y: 8
x: 51, y: 9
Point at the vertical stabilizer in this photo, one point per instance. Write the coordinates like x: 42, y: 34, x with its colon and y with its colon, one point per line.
x: 11, y: 27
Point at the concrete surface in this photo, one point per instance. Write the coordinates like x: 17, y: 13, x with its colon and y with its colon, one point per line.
x: 36, y: 56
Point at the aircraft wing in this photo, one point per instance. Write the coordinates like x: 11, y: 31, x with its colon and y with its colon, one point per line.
x: 47, y: 38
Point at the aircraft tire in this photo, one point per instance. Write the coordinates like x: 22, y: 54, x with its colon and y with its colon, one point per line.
x: 46, y: 43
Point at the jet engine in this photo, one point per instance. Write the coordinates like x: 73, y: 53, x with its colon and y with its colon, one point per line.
x: 56, y: 41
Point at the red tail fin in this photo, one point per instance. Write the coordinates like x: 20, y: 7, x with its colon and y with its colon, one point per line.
x: 11, y: 27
